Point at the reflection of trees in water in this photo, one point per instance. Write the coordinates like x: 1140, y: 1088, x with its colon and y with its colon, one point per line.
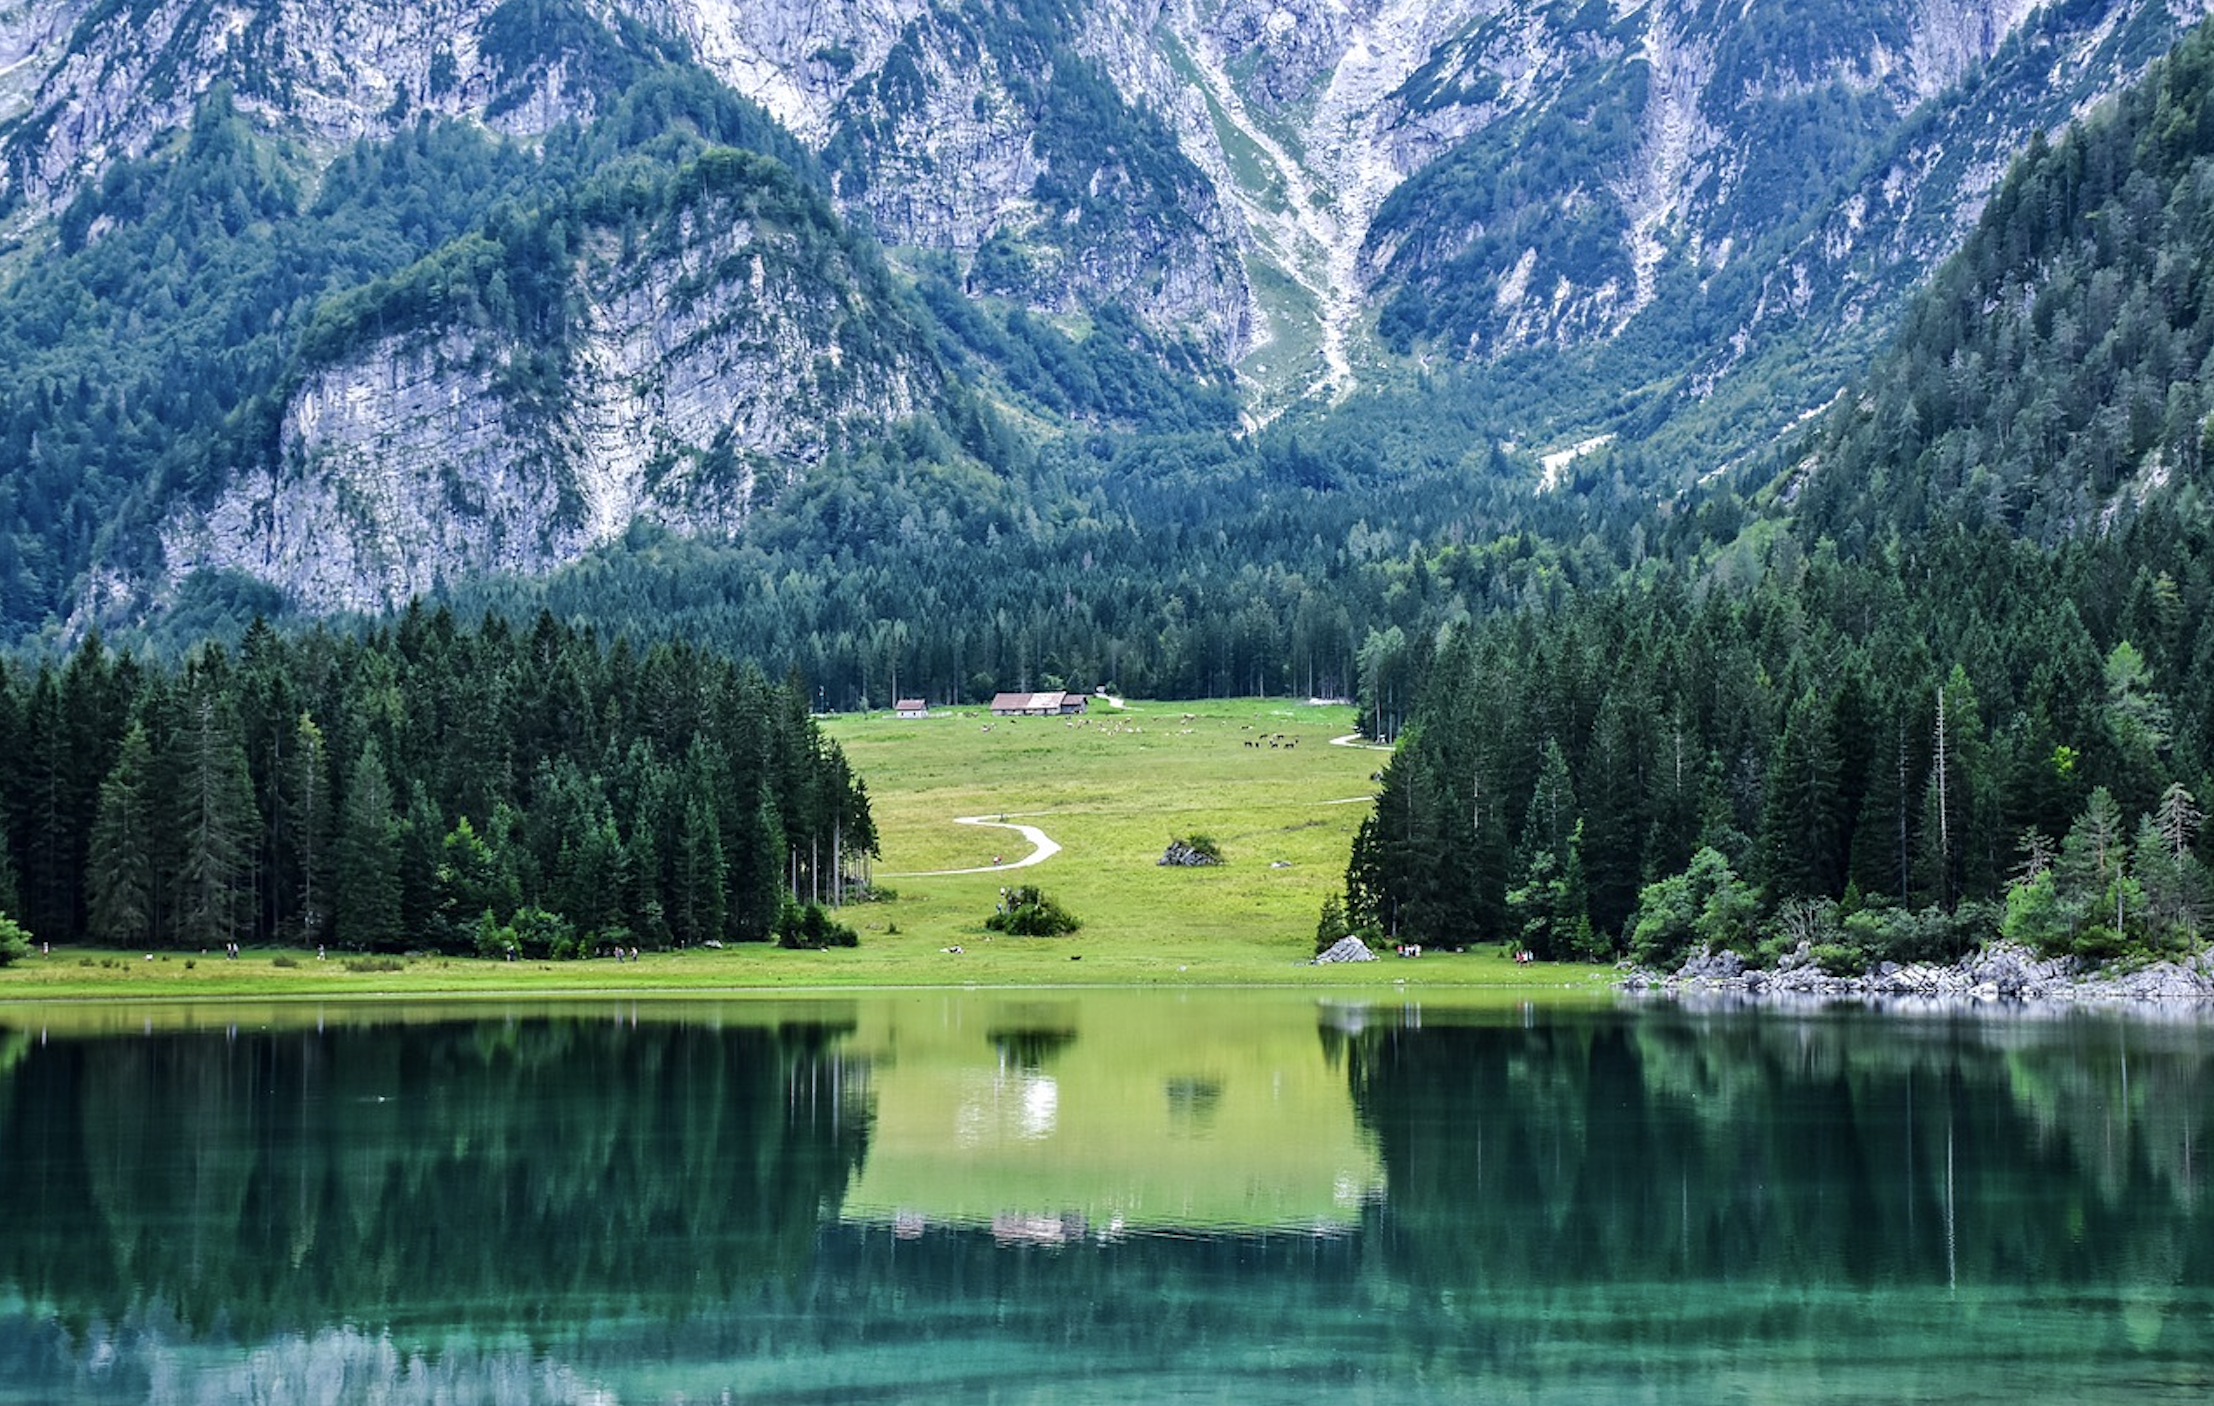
x: 1027, y: 1048
x: 1027, y: 1034
x: 1774, y: 1154
x: 1630, y: 1194
x: 1192, y: 1104
x: 496, y: 1173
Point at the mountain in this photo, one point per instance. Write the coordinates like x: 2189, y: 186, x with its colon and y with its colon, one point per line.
x: 2051, y: 380
x: 653, y: 349
x: 1954, y: 678
x: 352, y: 299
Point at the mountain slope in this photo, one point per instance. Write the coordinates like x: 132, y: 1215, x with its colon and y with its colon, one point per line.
x: 1960, y: 684
x: 1416, y: 230
x: 2054, y: 374
x: 1273, y: 179
x: 663, y: 348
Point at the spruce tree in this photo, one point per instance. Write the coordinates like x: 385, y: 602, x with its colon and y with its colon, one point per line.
x: 366, y: 868
x: 309, y: 789
x: 1802, y: 827
x: 215, y: 822
x: 122, y: 874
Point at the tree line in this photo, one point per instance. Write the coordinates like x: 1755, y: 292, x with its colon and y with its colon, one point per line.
x: 1887, y: 759
x: 539, y: 791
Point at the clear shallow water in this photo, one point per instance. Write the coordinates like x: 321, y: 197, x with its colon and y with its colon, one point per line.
x: 1102, y: 1197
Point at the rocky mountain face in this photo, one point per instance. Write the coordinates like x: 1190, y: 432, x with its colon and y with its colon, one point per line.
x: 1466, y: 177
x: 961, y: 130
x: 690, y: 364
x: 1321, y: 193
x: 1726, y: 182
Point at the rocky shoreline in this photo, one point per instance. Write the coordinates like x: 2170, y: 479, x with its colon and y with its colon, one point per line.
x: 1999, y: 972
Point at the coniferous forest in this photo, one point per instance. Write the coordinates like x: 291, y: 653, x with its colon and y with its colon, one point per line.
x: 1954, y: 680
x: 1889, y: 759
x: 531, y: 792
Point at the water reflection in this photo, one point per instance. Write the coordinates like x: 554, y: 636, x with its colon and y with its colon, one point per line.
x: 1110, y: 1198
x: 1122, y: 1115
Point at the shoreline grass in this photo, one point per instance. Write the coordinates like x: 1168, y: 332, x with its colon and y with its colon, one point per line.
x: 1112, y: 789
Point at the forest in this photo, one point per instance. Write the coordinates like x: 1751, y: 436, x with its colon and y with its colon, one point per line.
x: 1950, y: 678
x: 533, y: 792
x: 1868, y: 756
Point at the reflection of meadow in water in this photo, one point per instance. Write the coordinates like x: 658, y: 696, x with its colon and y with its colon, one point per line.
x: 1110, y: 1196
x: 1111, y: 1112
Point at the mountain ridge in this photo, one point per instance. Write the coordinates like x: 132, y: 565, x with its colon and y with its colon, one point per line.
x: 1673, y: 223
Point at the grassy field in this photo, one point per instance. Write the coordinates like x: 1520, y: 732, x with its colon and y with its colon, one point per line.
x: 1112, y: 789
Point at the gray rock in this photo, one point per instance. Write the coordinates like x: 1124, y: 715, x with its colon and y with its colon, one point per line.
x: 1346, y: 949
x: 1181, y: 855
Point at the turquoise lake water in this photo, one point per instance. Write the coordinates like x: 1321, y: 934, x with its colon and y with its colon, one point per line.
x: 1103, y: 1197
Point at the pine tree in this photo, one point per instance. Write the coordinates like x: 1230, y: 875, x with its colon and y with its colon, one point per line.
x: 215, y: 822
x: 122, y: 876
x: 696, y: 898
x: 755, y: 872
x: 310, y: 790
x: 366, y: 868
x: 1802, y: 829
x: 1959, y: 839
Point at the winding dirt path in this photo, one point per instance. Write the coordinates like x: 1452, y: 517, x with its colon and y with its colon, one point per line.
x: 1355, y: 740
x: 1044, y: 847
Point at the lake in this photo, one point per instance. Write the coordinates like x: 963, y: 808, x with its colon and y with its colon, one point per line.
x: 1102, y: 1197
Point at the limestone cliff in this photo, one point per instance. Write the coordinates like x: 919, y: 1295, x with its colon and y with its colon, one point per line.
x: 727, y: 348
x: 947, y: 116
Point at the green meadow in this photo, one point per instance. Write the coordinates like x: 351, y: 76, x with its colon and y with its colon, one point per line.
x: 1261, y: 776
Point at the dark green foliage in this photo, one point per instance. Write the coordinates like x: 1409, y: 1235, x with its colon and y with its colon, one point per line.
x: 1801, y: 737
x: 539, y: 1118
x: 489, y: 771
x: 368, y: 887
x: 124, y: 850
x: 2061, y: 354
x: 1707, y: 905
x: 1171, y: 566
x: 1117, y: 374
x: 140, y: 362
x: 149, y: 353
x: 807, y: 926
x: 524, y: 38
x: 1026, y: 911
x: 1843, y: 730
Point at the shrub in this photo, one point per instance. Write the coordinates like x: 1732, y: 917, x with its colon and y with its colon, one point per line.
x: 280, y: 960
x: 1887, y: 934
x: 1840, y: 958
x: 15, y: 943
x: 1333, y: 926
x: 1025, y: 911
x: 539, y: 933
x: 1205, y: 846
x: 809, y: 928
x: 375, y: 964
x: 494, y: 940
x: 1707, y: 903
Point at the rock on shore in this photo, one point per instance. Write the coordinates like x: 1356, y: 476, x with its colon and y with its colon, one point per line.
x: 2001, y: 971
